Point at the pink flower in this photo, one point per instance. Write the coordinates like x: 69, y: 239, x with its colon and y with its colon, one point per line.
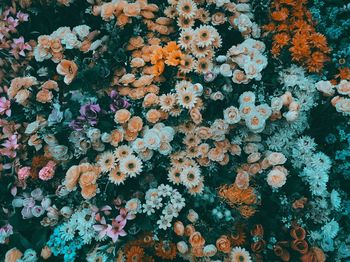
x: 48, y: 171
x: 18, y: 46
x: 10, y: 146
x: 23, y: 173
x: 124, y: 215
x: 117, y: 229
x: 5, y: 106
x: 103, y: 228
x: 22, y: 17
x: 12, y: 24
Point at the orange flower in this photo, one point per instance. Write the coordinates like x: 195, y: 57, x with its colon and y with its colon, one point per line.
x: 135, y: 254
x: 280, y: 15
x: 196, y: 239
x: 166, y: 250
x: 223, y: 244
x: 68, y: 69
x: 316, y: 62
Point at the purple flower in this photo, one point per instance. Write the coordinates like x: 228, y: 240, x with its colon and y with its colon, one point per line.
x: 117, y: 102
x: 88, y: 114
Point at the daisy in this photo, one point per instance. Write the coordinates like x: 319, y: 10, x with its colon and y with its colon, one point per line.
x: 197, y: 190
x: 204, y: 65
x: 183, y: 86
x: 203, y: 15
x: 204, y: 35
x: 186, y: 8
x: 117, y: 177
x: 176, y: 111
x: 167, y: 102
x: 177, y: 201
x: 186, y: 38
x: 186, y: 99
x: 174, y: 175
x: 187, y: 64
x: 199, y: 51
x: 171, y: 12
x: 122, y: 152
x: 107, y: 161
x: 184, y: 22
x: 190, y: 176
x: 131, y: 165
x: 239, y: 254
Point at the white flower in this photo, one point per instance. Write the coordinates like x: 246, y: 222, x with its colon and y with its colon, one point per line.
x: 231, y: 115
x: 239, y: 254
x: 82, y: 31
x: 152, y: 139
x: 71, y: 41
x: 190, y: 176
x: 130, y: 165
x: 164, y: 222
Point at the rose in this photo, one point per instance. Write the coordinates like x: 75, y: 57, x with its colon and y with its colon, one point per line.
x: 223, y: 244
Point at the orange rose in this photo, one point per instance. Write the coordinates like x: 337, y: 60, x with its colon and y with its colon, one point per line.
x: 116, y: 137
x: 13, y: 255
x: 300, y: 245
x: 153, y: 116
x: 179, y: 228
x: 89, y: 191
x: 298, y: 233
x: 87, y: 178
x: 196, y: 239
x: 72, y: 177
x: 122, y: 116
x: 150, y: 99
x: 135, y: 124
x: 56, y: 46
x: 196, y: 115
x: 314, y: 255
x: 50, y: 84
x: 223, y: 244
x: 189, y: 230
x: 44, y: 96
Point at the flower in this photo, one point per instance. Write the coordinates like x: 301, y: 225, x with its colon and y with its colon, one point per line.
x: 117, y: 229
x: 5, y: 106
x: 130, y: 165
x: 68, y: 69
x: 276, y: 178
x: 107, y: 161
x: 239, y: 254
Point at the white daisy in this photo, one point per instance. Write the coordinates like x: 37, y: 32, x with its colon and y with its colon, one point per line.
x: 107, y: 161
x: 122, y: 152
x: 239, y: 254
x: 186, y: 99
x: 190, y: 176
x: 131, y: 165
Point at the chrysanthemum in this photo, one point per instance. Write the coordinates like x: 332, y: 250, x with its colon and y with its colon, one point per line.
x: 190, y: 176
x: 117, y: 177
x: 204, y: 35
x: 183, y: 85
x: 171, y: 12
x: 106, y: 161
x: 167, y: 102
x: 122, y: 152
x: 186, y: 38
x: 176, y: 111
x: 239, y: 254
x: 186, y: 99
x: 131, y: 165
x: 203, y: 15
x: 186, y: 8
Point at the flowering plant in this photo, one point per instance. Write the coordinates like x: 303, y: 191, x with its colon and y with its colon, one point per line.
x: 184, y: 130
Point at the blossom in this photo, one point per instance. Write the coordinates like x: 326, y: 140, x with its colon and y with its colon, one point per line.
x: 5, y: 106
x: 68, y: 69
